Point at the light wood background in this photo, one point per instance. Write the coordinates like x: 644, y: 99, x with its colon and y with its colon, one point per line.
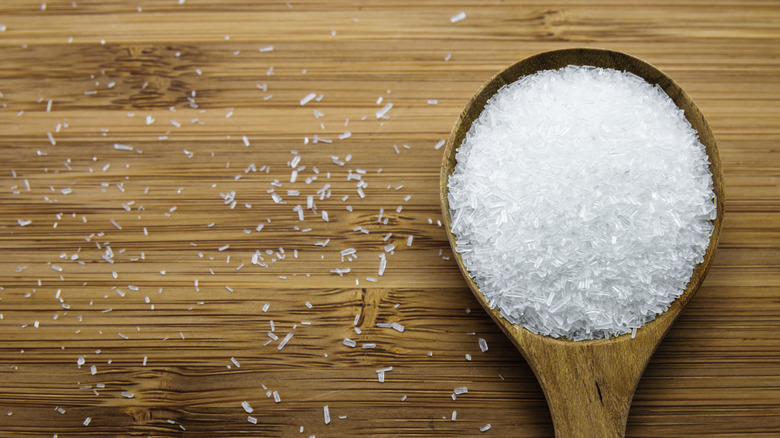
x: 167, y: 81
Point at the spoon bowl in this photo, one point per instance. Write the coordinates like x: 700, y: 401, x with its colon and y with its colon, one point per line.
x: 588, y: 384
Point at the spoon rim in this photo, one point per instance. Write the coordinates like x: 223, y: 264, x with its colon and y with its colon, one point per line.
x: 576, y: 56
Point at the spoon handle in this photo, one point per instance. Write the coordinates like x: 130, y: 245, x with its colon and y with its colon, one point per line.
x: 589, y: 388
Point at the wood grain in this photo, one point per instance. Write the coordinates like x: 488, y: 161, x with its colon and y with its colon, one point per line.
x: 715, y: 375
x: 588, y: 385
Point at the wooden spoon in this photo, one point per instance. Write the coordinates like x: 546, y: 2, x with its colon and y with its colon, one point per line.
x: 588, y: 384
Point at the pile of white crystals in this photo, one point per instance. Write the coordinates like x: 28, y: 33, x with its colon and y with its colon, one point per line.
x: 581, y: 202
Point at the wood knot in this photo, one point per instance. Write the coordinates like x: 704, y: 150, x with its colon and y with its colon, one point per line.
x: 153, y: 76
x: 138, y: 414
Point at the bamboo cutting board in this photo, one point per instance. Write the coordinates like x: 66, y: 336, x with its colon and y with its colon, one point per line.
x: 150, y: 236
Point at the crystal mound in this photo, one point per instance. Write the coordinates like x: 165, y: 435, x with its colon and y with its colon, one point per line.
x: 581, y: 202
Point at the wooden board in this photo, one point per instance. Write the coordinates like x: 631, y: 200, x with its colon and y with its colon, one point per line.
x: 167, y: 82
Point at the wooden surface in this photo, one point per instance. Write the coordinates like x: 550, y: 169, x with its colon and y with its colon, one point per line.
x: 588, y: 385
x: 161, y: 207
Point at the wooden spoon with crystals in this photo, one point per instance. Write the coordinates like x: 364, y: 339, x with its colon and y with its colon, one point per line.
x: 588, y: 384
